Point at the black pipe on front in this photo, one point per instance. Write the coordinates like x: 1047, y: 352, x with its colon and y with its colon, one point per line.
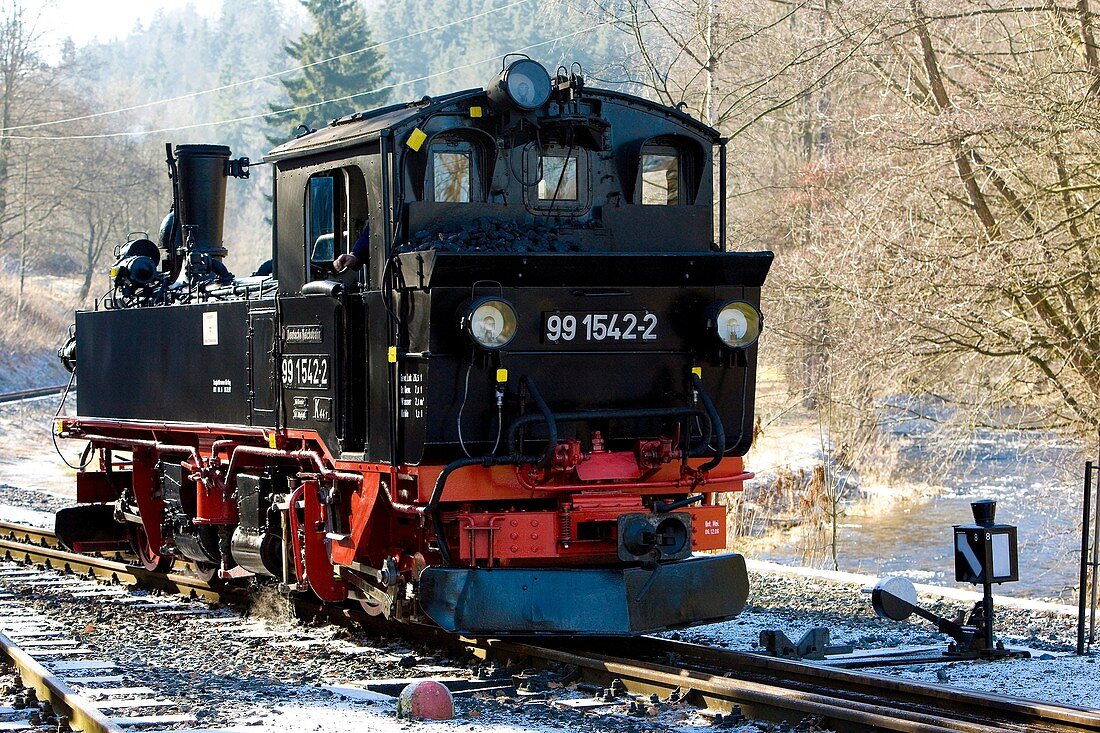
x: 514, y: 457
x: 547, y: 415
x: 716, y: 421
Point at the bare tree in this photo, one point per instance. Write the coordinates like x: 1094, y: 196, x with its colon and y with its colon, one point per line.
x: 983, y: 190
x: 17, y: 61
x: 30, y: 190
x: 109, y: 201
x: 925, y: 171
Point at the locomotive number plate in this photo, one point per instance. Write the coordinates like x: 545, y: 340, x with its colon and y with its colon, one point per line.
x: 305, y: 371
x: 573, y: 327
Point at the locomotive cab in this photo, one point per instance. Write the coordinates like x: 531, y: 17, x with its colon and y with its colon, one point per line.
x: 519, y: 413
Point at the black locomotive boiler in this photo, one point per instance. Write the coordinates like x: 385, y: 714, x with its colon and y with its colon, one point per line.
x: 514, y: 417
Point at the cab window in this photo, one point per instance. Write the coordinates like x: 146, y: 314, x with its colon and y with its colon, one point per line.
x: 336, y: 212
x: 453, y: 172
x: 320, y: 218
x: 670, y: 171
x: 559, y: 178
x: 660, y: 176
x: 561, y: 173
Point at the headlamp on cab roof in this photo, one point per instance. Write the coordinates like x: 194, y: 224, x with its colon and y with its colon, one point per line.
x: 736, y: 323
x: 523, y: 84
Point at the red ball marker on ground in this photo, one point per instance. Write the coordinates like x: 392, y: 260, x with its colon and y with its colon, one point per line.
x: 425, y: 700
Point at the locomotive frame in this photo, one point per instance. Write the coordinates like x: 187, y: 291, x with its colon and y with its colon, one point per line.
x: 515, y: 418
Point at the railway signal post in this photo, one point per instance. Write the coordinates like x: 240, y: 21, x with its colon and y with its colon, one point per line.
x: 985, y: 552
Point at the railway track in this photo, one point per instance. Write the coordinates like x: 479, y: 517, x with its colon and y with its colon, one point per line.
x: 760, y: 687
x: 67, y: 685
x: 30, y: 394
x: 40, y: 546
x: 88, y: 693
x: 777, y: 690
x: 52, y: 689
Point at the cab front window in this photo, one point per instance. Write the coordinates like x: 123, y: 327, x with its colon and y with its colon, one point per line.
x: 453, y: 172
x: 559, y: 179
x: 660, y: 178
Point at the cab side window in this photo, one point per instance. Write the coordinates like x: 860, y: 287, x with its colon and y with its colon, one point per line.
x: 670, y: 171
x: 321, y: 218
x: 336, y: 212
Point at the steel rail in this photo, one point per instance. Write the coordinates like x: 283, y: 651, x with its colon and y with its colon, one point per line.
x: 980, y: 706
x: 28, y: 394
x: 82, y: 714
x: 773, y: 689
x: 36, y: 535
x: 774, y: 700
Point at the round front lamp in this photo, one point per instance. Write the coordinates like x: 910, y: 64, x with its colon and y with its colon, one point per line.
x: 523, y: 85
x: 490, y: 322
x: 736, y: 323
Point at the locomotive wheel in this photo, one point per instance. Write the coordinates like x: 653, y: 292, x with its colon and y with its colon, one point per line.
x: 150, y: 560
x: 206, y: 572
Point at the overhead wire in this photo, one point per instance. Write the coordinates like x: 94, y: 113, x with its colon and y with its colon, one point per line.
x: 264, y: 77
x: 260, y: 115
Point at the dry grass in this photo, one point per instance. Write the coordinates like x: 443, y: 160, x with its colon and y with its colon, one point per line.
x: 45, y: 317
x: 793, y: 497
x: 805, y: 481
x: 29, y: 337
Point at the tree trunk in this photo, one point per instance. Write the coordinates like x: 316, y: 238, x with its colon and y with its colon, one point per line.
x: 89, y: 261
x: 23, y: 244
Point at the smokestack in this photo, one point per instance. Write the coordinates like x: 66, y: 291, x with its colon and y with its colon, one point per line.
x: 203, y: 170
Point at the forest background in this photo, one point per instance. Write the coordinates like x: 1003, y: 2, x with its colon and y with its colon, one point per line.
x: 924, y: 170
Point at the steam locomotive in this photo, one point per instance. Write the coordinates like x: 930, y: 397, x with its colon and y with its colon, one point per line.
x: 515, y: 417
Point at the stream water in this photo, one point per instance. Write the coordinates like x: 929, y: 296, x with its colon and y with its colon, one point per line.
x: 1036, y: 480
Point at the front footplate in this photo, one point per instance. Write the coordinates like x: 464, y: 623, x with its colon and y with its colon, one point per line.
x: 522, y: 601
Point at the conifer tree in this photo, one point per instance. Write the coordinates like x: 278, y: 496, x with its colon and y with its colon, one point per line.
x: 340, y: 27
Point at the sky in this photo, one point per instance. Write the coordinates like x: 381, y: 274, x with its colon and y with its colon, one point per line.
x: 103, y: 20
